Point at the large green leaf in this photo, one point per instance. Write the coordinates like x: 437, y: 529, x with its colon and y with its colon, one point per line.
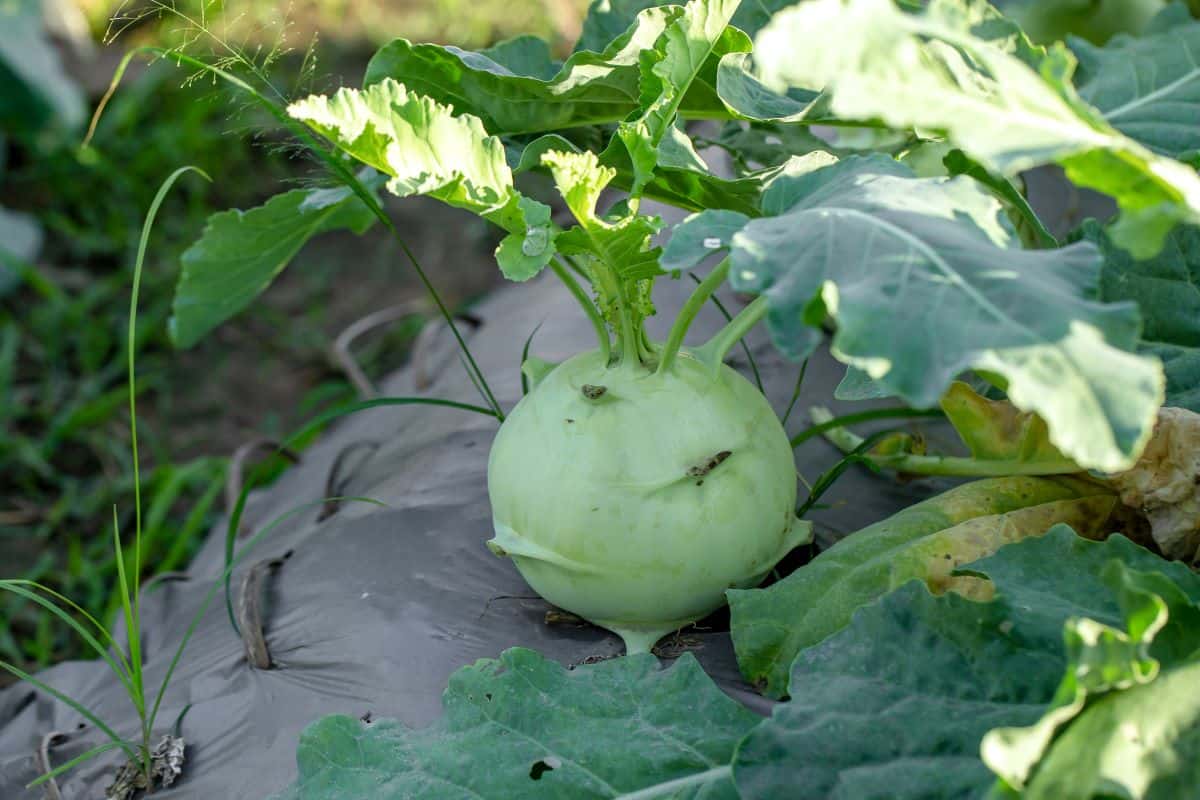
x: 924, y: 283
x: 688, y: 44
x: 747, y: 96
x: 523, y: 726
x: 1167, y: 290
x: 1148, y: 87
x: 1008, y: 105
x: 1098, y: 757
x: 590, y: 88
x: 426, y: 149
x: 770, y: 626
x: 896, y: 704
x: 517, y: 88
x: 606, y: 19
x: 1162, y: 625
x: 241, y: 252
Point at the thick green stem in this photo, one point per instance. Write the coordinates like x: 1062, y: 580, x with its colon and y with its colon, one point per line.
x: 688, y: 313
x: 715, y: 350
x: 589, y: 308
x: 630, y: 334
x: 947, y: 466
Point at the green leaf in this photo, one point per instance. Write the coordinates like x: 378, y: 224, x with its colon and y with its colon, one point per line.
x: 425, y: 149
x: 1147, y: 87
x: 700, y: 236
x: 1031, y: 228
x: 896, y: 704
x: 1102, y: 659
x: 241, y: 252
x: 521, y: 55
x: 924, y: 284
x: 1167, y: 290
x: 766, y: 144
x: 606, y: 19
x: 516, y: 88
x: 523, y: 726
x: 668, y: 71
x: 1006, y: 104
x: 1143, y: 742
x: 927, y: 540
x: 749, y: 98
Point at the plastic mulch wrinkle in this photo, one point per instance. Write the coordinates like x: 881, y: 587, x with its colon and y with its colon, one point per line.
x: 43, y: 762
x: 423, y: 376
x: 340, y: 475
x: 250, y: 611
x: 237, y: 467
x: 341, y: 345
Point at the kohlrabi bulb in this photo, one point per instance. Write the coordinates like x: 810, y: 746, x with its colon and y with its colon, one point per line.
x: 636, y: 499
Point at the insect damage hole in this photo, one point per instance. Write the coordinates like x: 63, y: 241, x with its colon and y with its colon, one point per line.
x: 544, y: 765
x: 708, y: 465
x: 592, y: 392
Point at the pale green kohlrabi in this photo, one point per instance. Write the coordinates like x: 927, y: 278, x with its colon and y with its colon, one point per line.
x: 635, y: 498
x: 638, y: 482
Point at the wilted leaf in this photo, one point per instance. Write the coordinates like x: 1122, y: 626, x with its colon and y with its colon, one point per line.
x: 927, y: 541
x: 996, y: 429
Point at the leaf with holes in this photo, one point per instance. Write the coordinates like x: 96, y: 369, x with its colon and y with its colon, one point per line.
x: 523, y: 726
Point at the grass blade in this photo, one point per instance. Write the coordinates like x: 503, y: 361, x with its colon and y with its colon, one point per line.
x: 795, y: 393
x: 525, y: 357
x: 132, y: 631
x: 17, y: 587
x: 862, y: 416
x: 129, y: 749
x: 829, y: 477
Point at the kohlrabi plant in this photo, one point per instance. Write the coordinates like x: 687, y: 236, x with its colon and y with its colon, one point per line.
x: 640, y: 481
x: 874, y: 192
